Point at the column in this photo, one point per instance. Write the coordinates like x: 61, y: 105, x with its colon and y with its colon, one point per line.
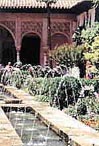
x: 18, y: 37
x: 44, y: 42
x: 18, y: 56
x: 45, y: 56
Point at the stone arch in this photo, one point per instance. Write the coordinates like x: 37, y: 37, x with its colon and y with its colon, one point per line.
x: 7, y: 46
x: 58, y: 39
x: 30, y: 32
x: 30, y: 48
x: 9, y: 30
x: 31, y: 26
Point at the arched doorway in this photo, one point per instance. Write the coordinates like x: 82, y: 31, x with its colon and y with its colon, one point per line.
x: 58, y: 39
x: 7, y: 47
x: 30, y: 49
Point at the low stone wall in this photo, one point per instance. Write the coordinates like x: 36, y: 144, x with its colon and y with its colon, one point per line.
x: 8, y: 135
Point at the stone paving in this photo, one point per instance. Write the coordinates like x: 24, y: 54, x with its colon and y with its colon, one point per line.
x: 8, y: 136
x: 79, y: 133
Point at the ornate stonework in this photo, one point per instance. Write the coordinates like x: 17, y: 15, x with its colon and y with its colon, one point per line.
x: 63, y: 27
x: 10, y: 25
x: 20, y: 24
x: 30, y: 26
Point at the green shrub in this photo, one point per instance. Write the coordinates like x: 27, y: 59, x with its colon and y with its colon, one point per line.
x: 43, y: 86
x: 17, y: 78
x: 81, y: 107
x: 68, y: 55
x: 51, y: 87
x: 94, y: 82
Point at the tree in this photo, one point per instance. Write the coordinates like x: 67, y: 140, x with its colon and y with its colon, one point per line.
x: 68, y: 55
x: 93, y: 54
x: 95, y: 3
x: 90, y: 33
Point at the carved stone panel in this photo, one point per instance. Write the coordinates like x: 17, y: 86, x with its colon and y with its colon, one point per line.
x: 30, y: 26
x: 63, y: 27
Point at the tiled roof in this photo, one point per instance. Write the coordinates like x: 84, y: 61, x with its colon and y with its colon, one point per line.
x: 60, y: 4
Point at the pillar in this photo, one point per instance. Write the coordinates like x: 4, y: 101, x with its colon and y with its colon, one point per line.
x: 18, y: 56
x: 18, y: 38
x: 45, y: 55
x: 44, y: 42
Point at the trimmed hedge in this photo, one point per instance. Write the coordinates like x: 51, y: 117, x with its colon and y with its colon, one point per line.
x: 58, y: 87
x: 58, y: 90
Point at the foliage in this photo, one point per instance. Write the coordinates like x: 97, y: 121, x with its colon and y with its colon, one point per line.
x: 93, y: 54
x: 96, y: 2
x: 77, y: 36
x: 21, y: 76
x: 90, y: 33
x: 68, y: 92
x: 43, y: 86
x: 55, y: 88
x: 59, y: 91
x: 68, y: 55
x: 93, y: 82
x: 71, y: 110
x: 90, y: 38
x: 81, y: 107
x: 85, y: 109
x: 4, y: 76
x: 86, y: 35
x: 41, y: 98
x: 16, y: 79
x: 90, y: 105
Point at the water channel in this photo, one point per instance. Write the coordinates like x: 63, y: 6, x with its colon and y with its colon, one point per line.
x: 31, y: 130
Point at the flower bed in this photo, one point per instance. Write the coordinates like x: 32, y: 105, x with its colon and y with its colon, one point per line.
x: 90, y: 120
x: 94, y: 123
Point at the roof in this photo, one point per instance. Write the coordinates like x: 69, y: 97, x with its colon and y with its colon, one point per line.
x: 60, y: 4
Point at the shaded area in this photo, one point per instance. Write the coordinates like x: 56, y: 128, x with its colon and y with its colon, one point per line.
x: 7, y: 47
x: 30, y: 50
x: 58, y: 39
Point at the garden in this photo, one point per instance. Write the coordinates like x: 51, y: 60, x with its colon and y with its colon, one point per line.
x: 72, y: 85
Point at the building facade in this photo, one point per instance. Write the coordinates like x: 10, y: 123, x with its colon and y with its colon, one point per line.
x: 24, y: 28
